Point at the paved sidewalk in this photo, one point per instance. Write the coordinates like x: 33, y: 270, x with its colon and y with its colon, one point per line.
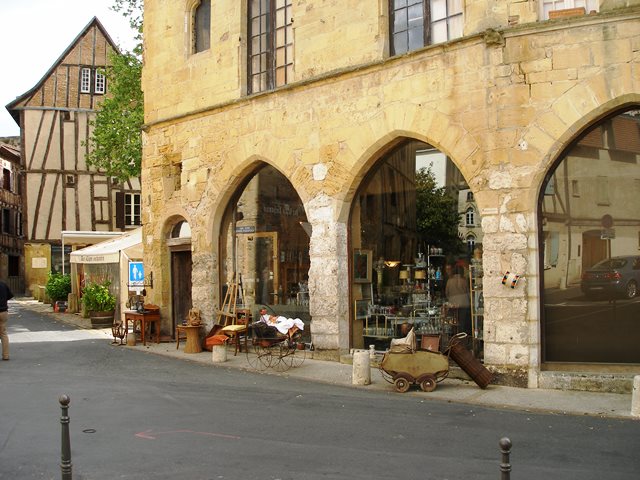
x: 565, y: 402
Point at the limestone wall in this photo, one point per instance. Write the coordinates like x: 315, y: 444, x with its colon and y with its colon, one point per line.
x: 501, y: 105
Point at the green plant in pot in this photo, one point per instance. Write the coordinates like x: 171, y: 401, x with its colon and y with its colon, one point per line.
x: 58, y: 289
x: 99, y: 302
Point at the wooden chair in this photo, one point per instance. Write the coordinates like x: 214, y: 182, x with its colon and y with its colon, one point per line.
x: 237, y: 327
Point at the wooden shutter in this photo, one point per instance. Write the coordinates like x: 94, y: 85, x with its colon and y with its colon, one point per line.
x: 119, y: 209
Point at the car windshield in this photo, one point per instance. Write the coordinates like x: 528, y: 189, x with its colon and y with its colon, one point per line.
x: 610, y: 264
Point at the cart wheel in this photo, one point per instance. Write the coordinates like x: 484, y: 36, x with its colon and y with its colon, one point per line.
x: 427, y: 383
x: 259, y: 357
x: 401, y: 384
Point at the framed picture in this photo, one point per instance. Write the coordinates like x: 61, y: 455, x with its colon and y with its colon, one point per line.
x: 362, y: 266
x: 361, y: 309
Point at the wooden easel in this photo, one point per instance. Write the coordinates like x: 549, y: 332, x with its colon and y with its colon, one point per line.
x: 227, y: 313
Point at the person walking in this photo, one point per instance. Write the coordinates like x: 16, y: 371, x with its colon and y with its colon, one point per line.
x: 5, y: 295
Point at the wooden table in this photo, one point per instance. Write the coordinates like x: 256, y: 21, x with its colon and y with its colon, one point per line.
x: 193, y: 337
x: 145, y: 318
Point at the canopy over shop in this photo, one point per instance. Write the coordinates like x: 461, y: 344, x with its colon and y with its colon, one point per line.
x: 107, y: 261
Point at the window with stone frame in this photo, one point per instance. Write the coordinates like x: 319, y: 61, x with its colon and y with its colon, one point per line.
x: 270, y: 46
x: 417, y: 23
x: 201, y: 26
x: 547, y: 6
x: 470, y: 217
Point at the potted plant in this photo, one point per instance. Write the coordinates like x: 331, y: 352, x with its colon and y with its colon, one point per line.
x: 58, y: 289
x: 100, y: 303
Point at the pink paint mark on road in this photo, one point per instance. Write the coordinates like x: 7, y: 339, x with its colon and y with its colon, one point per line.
x: 151, y: 435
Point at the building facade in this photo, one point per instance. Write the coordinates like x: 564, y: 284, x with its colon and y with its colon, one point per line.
x: 11, y: 235
x: 63, y: 194
x: 293, y: 137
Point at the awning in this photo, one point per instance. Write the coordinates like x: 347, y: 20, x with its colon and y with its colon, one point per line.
x: 109, y: 251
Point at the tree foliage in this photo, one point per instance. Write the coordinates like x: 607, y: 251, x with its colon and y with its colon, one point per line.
x: 115, y: 145
x: 437, y: 213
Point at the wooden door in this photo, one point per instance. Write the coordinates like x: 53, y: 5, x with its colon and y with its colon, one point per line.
x: 594, y: 249
x: 180, y: 286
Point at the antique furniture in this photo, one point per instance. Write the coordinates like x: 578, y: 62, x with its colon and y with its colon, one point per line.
x: 146, y: 318
x: 192, y: 333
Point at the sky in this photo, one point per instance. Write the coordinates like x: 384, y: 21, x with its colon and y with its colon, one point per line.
x: 35, y: 33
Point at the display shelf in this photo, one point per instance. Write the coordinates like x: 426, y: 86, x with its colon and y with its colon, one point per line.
x: 477, y: 307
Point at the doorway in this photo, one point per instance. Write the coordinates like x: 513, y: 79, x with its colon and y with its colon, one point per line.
x: 180, y: 286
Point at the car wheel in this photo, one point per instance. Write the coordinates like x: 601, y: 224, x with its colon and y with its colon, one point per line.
x: 632, y: 289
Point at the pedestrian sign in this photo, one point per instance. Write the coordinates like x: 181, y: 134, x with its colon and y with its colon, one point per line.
x: 136, y: 274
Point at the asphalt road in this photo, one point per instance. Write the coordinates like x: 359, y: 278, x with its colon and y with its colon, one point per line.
x: 135, y: 415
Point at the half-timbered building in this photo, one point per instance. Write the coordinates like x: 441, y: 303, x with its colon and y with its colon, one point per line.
x: 62, y: 192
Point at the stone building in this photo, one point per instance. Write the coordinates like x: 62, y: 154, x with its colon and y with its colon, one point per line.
x: 288, y: 135
x: 11, y: 223
x: 62, y: 193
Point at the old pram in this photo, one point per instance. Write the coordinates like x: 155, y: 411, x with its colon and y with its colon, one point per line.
x: 268, y: 348
x: 403, y: 365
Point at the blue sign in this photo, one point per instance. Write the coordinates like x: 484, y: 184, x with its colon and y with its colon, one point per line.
x: 136, y: 274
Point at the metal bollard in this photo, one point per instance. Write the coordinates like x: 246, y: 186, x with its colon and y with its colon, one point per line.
x: 505, y: 466
x: 65, y: 457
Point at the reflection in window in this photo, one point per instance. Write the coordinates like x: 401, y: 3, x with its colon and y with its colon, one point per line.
x: 416, y: 23
x: 405, y: 222
x: 265, y: 245
x: 590, y: 244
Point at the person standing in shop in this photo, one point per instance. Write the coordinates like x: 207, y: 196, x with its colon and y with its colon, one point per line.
x: 5, y: 295
x: 457, y: 292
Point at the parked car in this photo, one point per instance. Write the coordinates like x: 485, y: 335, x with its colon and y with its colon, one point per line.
x: 616, y: 276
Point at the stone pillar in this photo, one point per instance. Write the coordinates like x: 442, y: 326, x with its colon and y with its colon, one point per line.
x: 219, y: 353
x: 635, y: 397
x: 328, y: 280
x: 361, y: 368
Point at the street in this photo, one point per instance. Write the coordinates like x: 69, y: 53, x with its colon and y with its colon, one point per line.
x: 135, y: 415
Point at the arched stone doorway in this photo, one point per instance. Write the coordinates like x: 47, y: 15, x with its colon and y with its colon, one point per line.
x: 590, y: 239
x: 264, y: 246
x: 406, y: 228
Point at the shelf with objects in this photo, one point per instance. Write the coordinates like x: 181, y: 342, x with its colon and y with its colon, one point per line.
x: 405, y: 296
x: 477, y: 304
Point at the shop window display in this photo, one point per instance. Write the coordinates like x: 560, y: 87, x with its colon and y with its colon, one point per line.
x: 589, y: 250
x: 405, y: 235
x: 265, y: 246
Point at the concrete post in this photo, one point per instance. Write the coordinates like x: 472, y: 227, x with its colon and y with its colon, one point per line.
x: 219, y: 353
x: 635, y: 397
x: 361, y: 368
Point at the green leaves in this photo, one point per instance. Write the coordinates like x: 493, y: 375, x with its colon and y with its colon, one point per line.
x: 96, y: 297
x: 437, y: 213
x: 58, y: 287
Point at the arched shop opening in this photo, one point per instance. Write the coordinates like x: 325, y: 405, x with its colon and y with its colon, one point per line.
x: 590, y: 247
x: 410, y: 264
x: 264, y: 246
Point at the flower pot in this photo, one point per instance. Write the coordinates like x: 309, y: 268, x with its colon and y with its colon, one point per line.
x: 101, y: 319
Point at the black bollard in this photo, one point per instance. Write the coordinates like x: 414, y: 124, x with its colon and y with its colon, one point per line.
x: 505, y: 466
x: 65, y: 458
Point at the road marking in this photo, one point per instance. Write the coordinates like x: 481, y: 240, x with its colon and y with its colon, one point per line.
x: 151, y: 435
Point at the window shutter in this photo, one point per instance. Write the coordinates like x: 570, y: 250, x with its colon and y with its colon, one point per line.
x: 119, y: 209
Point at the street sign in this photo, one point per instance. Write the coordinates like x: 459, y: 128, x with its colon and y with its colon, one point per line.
x: 136, y: 274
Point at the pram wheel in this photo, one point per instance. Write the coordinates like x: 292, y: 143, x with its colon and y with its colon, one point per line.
x: 259, y: 357
x: 427, y: 383
x: 401, y: 384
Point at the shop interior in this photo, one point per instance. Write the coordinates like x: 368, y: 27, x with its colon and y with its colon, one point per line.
x: 413, y: 265
x: 265, y: 248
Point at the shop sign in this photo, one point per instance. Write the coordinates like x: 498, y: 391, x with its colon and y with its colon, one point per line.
x: 607, y: 234
x: 246, y: 229
x: 136, y: 274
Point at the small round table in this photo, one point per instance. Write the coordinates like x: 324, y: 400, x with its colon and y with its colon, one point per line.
x: 193, y: 338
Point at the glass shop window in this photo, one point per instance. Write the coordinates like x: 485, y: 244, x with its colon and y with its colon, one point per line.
x: 590, y: 247
x: 264, y: 246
